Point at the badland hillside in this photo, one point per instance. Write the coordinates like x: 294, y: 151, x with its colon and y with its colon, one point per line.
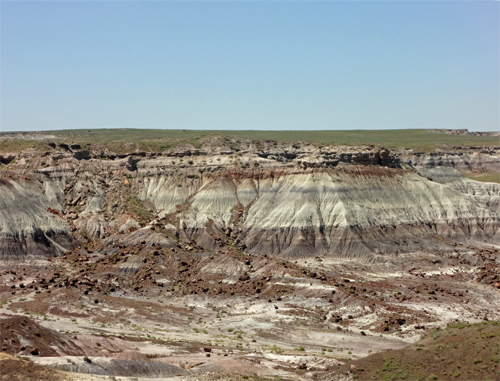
x: 233, y: 255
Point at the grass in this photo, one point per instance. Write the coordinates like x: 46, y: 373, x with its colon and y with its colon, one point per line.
x: 136, y: 207
x: 459, y: 352
x: 160, y: 140
x: 486, y: 177
x: 18, y: 145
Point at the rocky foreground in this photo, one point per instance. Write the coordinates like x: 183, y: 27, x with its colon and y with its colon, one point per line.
x: 267, y: 258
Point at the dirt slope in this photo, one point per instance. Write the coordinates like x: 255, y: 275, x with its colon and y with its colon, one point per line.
x: 459, y: 352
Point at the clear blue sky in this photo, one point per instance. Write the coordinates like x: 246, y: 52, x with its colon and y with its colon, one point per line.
x: 249, y: 65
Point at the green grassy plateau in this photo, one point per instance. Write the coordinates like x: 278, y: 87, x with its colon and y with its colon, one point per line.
x: 422, y: 140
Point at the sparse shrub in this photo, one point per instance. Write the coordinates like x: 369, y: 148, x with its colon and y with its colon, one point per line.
x: 388, y: 366
x: 276, y: 349
x: 460, y: 325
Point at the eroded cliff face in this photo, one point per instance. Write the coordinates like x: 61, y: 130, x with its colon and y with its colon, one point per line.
x: 351, y: 202
x: 486, y: 159
x: 482, y: 193
x: 27, y: 227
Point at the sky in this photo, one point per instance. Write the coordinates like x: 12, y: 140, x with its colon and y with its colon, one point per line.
x: 254, y: 65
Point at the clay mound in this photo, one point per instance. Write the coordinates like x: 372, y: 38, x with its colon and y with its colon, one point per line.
x: 131, y: 267
x: 144, y: 235
x: 21, y: 335
x: 127, y: 368
x: 201, y: 236
x: 13, y: 368
x: 300, y: 247
x: 27, y: 228
x: 94, y: 225
x: 225, y: 265
x: 128, y: 226
x: 131, y: 355
x: 272, y: 269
